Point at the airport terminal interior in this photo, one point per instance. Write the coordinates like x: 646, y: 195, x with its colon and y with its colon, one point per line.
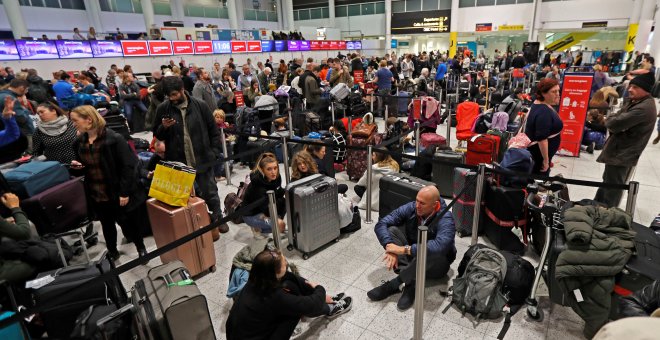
x: 575, y: 79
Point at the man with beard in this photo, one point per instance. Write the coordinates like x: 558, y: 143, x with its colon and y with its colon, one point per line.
x: 203, y: 89
x: 187, y: 127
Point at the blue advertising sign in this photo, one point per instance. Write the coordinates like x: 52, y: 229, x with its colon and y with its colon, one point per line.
x: 267, y: 45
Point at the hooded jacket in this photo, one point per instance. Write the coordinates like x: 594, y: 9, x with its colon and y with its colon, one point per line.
x: 377, y: 173
x: 599, y: 242
x: 258, y: 188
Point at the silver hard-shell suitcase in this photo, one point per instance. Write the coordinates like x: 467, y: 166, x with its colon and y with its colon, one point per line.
x: 313, y: 213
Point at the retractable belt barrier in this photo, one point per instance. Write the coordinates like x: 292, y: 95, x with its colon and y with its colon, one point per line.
x: 55, y: 301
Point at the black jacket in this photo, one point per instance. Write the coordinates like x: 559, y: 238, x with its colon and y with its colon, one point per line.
x: 203, y: 132
x: 356, y: 65
x: 274, y: 316
x: 257, y: 190
x: 518, y: 62
x: 119, y: 166
x: 642, y: 302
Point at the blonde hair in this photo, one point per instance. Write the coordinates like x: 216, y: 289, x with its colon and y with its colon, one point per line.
x: 176, y: 70
x: 89, y: 112
x: 598, y: 68
x: 219, y: 113
x: 264, y: 158
x: 384, y: 160
x: 306, y: 158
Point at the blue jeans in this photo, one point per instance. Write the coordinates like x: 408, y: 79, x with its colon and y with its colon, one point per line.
x: 259, y: 221
x: 658, y: 126
x: 128, y: 110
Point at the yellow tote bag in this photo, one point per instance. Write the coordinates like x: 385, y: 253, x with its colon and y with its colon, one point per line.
x: 172, y: 184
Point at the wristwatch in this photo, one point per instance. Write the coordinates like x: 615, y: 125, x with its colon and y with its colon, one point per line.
x: 407, y: 249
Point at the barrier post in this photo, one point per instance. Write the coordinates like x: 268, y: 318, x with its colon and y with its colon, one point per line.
x: 373, y: 98
x: 350, y: 125
x: 420, y: 281
x: 223, y: 141
x: 272, y: 210
x: 285, y: 160
x: 291, y: 134
x: 387, y: 112
x: 633, y: 189
x: 332, y: 111
x: 481, y: 178
x: 417, y: 141
x: 369, y: 188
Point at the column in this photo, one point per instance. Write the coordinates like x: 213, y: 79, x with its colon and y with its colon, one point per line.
x: 240, y: 14
x: 289, y: 15
x: 233, y: 18
x: 178, y: 12
x: 655, y: 42
x: 453, y: 29
x: 388, y: 25
x: 535, y: 23
x: 15, y: 17
x: 281, y: 19
x: 331, y: 13
x: 93, y: 10
x: 148, y: 13
x: 645, y: 25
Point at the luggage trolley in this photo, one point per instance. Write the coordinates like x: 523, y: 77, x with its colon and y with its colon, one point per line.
x: 549, y: 208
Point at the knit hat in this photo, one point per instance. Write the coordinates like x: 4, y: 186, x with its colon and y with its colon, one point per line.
x: 644, y: 81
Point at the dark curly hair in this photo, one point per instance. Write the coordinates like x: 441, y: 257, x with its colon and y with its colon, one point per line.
x: 545, y: 85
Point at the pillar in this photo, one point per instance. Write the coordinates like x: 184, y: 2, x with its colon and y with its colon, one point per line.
x: 655, y: 42
x: 178, y: 12
x: 645, y: 25
x: 535, y: 23
x: 148, y: 13
x: 15, y: 17
x: 240, y: 14
x: 281, y: 18
x: 331, y: 13
x: 388, y: 25
x: 233, y: 15
x: 453, y: 29
x: 93, y: 10
x: 289, y: 14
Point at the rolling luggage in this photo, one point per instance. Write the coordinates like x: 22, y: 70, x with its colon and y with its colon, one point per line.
x: 443, y: 174
x: 397, y: 190
x: 402, y: 103
x: 118, y: 124
x: 504, y: 142
x: 429, y: 139
x: 482, y: 149
x: 104, y: 322
x: 356, y: 160
x: 463, y: 209
x: 644, y: 266
x: 340, y: 91
x: 312, y: 213
x: 504, y: 210
x: 61, y: 320
x: 33, y: 178
x: 169, y: 305
x: 266, y: 145
x: 170, y: 223
x: 58, y: 209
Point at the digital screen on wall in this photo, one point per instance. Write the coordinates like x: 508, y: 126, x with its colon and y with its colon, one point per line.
x: 267, y: 46
x: 315, y: 45
x: 8, y: 50
x: 350, y: 45
x: 221, y: 47
x: 357, y: 45
x: 160, y: 47
x: 342, y: 45
x: 325, y: 45
x: 183, y: 47
x: 334, y: 44
x: 238, y: 47
x: 204, y: 47
x: 135, y: 48
x: 37, y: 49
x: 106, y: 48
x: 421, y: 22
x: 254, y: 46
x: 280, y: 45
x: 304, y: 45
x: 293, y: 45
x: 70, y: 49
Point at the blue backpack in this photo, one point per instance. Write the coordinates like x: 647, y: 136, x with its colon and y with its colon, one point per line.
x: 518, y: 160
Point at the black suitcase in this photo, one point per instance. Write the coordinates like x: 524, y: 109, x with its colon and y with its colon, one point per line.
x: 104, y: 322
x: 61, y: 320
x: 328, y: 160
x: 443, y: 174
x: 505, y: 210
x: 266, y: 145
x: 397, y: 190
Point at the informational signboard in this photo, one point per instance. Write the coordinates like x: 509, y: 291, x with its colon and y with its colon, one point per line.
x: 238, y: 98
x: 8, y: 50
x: 304, y: 45
x: 160, y: 47
x: 315, y: 45
x: 254, y: 46
x: 37, y: 49
x: 204, y: 47
x: 573, y: 107
x: 238, y: 47
x: 358, y: 76
x: 423, y: 22
x: 511, y: 27
x: 267, y: 45
x: 222, y: 47
x: 341, y: 45
x: 293, y: 45
x: 135, y: 48
x: 280, y: 45
x: 487, y: 27
x: 394, y: 43
x: 183, y: 47
x: 106, y: 48
x: 71, y: 49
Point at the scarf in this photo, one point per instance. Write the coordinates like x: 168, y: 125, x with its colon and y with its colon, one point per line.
x: 55, y: 127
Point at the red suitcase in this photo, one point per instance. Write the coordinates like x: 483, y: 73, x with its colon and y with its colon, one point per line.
x: 482, y: 149
x: 170, y: 223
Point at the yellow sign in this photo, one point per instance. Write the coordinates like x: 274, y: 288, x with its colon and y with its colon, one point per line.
x: 630, y: 40
x: 511, y: 27
x: 453, y: 43
x: 569, y: 40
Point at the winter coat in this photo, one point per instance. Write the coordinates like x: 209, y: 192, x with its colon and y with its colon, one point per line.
x: 376, y: 174
x: 257, y: 189
x: 599, y: 243
x: 630, y: 131
x: 204, y: 92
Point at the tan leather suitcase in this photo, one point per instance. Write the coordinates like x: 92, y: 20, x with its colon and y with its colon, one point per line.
x: 170, y: 223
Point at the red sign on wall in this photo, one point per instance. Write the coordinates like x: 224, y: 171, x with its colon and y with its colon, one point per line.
x: 342, y: 45
x: 254, y: 46
x: 183, y: 47
x: 238, y: 98
x: 239, y: 47
x: 334, y: 44
x: 325, y: 45
x: 573, y: 111
x: 135, y: 48
x: 160, y: 47
x: 203, y: 47
x: 358, y: 76
x: 315, y: 45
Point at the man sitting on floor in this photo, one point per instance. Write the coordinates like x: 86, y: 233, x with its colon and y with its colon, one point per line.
x: 397, y: 233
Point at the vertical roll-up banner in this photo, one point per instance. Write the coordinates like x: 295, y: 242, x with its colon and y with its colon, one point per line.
x: 573, y: 110
x: 453, y: 42
x: 630, y: 39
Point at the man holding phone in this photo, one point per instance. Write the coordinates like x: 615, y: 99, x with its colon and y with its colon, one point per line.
x: 187, y: 127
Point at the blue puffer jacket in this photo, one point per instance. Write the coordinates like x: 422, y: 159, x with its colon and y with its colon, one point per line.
x: 441, y: 230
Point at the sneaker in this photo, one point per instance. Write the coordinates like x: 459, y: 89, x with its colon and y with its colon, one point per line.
x: 385, y: 290
x: 338, y: 297
x: 113, y: 255
x: 223, y: 228
x: 407, y: 298
x: 657, y: 139
x: 220, y: 179
x: 341, y: 307
x: 590, y: 147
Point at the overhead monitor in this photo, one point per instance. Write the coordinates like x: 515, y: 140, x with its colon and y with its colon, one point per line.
x: 71, y: 49
x: 8, y: 50
x: 106, y: 48
x: 37, y: 49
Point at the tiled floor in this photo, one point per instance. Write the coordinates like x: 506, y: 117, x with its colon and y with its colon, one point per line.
x: 353, y: 265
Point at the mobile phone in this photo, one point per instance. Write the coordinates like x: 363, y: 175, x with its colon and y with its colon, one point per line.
x: 167, y: 116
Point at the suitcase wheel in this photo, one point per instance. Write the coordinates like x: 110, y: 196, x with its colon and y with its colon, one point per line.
x: 535, y: 313
x: 289, y: 247
x: 212, y: 269
x: 305, y: 256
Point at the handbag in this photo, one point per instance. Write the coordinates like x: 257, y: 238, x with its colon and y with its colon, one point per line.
x: 172, y: 183
x: 364, y: 130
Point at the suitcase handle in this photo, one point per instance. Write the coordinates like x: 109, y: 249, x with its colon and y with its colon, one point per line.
x: 320, y: 187
x: 100, y: 323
